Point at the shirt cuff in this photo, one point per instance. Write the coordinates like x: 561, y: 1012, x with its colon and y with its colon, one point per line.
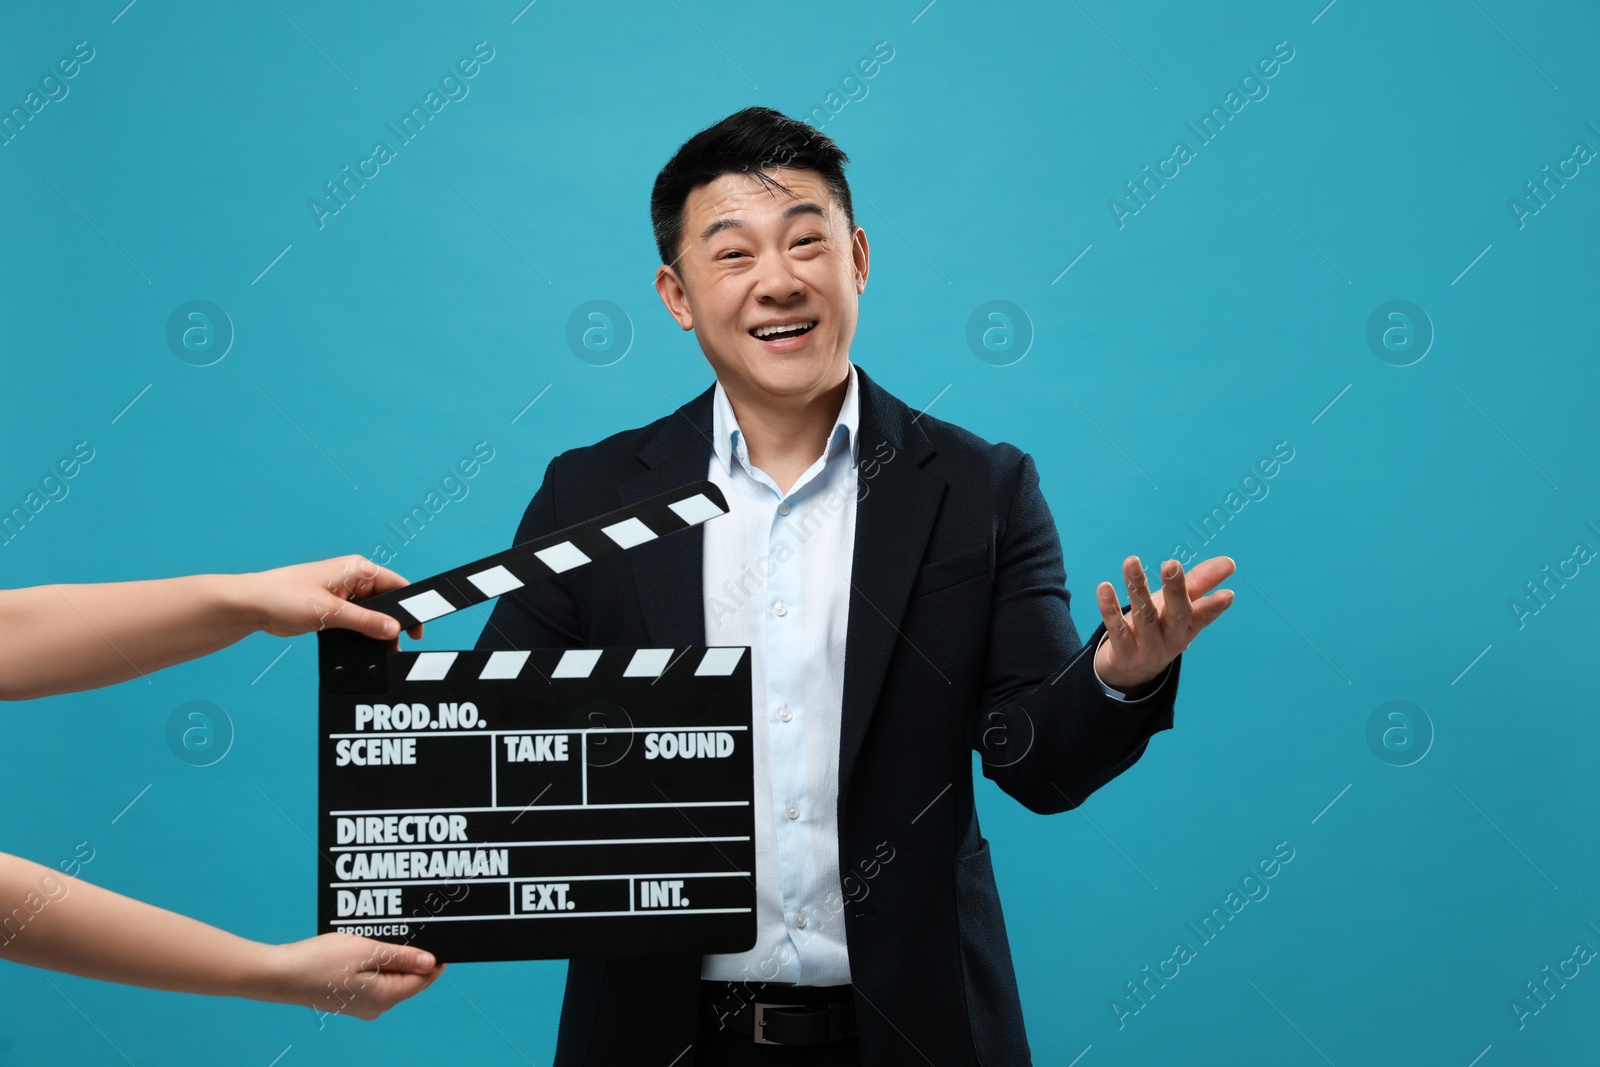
x: 1117, y: 694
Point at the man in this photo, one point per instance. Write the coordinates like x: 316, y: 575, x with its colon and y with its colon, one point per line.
x: 899, y: 582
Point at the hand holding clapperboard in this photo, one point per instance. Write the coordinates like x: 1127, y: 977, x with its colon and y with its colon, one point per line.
x: 538, y: 804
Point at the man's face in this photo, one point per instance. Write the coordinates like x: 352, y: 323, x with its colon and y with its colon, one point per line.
x: 753, y: 257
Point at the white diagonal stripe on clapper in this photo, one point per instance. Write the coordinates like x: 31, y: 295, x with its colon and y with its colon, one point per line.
x: 576, y: 663
x: 431, y: 666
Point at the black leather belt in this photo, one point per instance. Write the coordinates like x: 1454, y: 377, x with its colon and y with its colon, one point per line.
x: 773, y: 1020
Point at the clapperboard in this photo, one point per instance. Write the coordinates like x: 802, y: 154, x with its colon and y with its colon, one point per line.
x: 538, y: 804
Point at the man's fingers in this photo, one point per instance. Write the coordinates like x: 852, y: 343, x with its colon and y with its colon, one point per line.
x: 1111, y: 613
x: 1144, y: 607
x: 1175, y: 599
x: 1206, y: 609
x: 1208, y: 574
x: 1185, y: 608
x: 1204, y: 578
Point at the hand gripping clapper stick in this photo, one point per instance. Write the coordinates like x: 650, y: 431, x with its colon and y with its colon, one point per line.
x: 538, y: 804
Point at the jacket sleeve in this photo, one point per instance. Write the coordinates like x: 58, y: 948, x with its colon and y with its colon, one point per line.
x: 1047, y: 731
x: 543, y: 614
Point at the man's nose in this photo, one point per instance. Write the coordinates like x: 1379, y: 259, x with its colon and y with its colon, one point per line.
x: 776, y: 279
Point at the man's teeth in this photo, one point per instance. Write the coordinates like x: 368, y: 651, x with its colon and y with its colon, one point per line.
x: 771, y: 331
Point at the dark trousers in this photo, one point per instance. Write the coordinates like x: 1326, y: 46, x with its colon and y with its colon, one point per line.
x: 717, y: 1045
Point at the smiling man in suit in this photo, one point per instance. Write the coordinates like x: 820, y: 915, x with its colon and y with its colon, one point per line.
x: 900, y: 584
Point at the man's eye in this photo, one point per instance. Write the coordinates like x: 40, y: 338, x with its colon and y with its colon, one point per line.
x: 803, y: 240
x: 729, y: 254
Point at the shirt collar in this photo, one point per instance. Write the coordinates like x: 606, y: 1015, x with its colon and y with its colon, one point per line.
x: 727, y: 438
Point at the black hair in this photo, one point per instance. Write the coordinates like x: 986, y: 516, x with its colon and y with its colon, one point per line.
x: 745, y: 142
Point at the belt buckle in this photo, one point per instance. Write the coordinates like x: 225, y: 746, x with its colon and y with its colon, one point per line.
x: 761, y: 1021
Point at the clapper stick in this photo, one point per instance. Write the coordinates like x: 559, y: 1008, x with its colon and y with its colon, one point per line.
x: 540, y: 803
x: 353, y: 663
x: 546, y: 557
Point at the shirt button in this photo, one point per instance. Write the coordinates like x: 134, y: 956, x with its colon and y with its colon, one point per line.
x: 784, y: 714
x: 800, y: 920
x: 780, y: 608
x: 792, y: 811
x: 783, y: 509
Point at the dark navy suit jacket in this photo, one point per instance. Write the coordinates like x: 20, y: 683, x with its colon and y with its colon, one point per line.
x: 958, y: 640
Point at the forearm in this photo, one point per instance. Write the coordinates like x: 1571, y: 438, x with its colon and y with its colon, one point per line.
x: 1052, y: 744
x: 65, y: 924
x: 65, y: 638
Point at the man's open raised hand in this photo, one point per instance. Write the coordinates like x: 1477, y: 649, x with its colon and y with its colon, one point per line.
x: 1141, y: 641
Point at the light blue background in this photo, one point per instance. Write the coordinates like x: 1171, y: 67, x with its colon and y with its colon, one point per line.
x: 1229, y: 314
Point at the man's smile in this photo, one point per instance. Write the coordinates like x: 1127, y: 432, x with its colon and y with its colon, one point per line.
x: 783, y: 336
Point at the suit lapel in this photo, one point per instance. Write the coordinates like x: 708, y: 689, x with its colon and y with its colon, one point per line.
x: 668, y: 572
x: 896, y: 504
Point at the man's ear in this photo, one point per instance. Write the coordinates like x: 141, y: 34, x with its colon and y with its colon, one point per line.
x: 670, y: 288
x: 861, y: 258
